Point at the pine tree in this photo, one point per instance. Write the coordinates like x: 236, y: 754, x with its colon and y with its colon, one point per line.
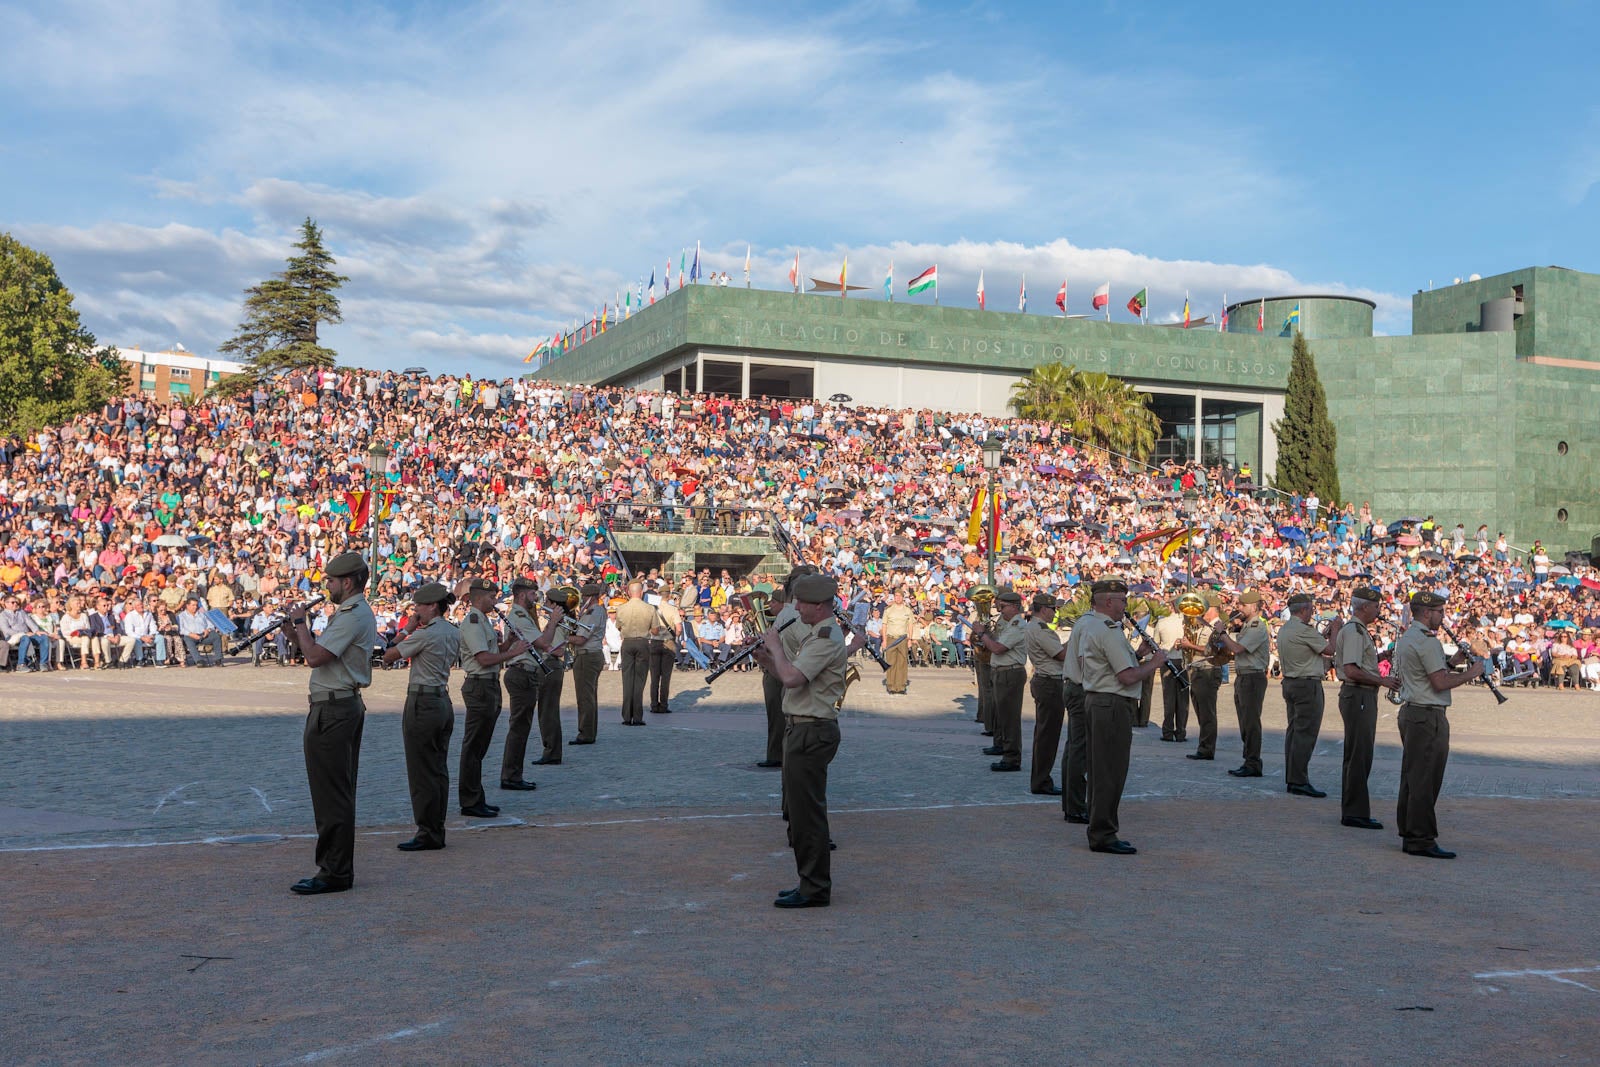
x: 1308, y: 443
x: 282, y: 315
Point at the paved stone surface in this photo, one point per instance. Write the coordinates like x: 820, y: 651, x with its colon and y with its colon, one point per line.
x: 622, y: 914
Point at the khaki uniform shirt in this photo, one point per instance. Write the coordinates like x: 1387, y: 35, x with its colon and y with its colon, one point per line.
x: 595, y: 619
x: 666, y: 628
x: 794, y: 635
x: 1354, y: 645
x: 350, y: 635
x: 432, y: 650
x: 1044, y: 646
x: 1257, y: 642
x: 478, y: 635
x: 1071, y: 667
x: 1418, y: 654
x: 1014, y: 636
x: 1104, y: 653
x: 521, y: 623
x: 1300, y: 648
x: 1167, y: 630
x: 634, y: 620
x: 821, y: 658
x: 896, y: 621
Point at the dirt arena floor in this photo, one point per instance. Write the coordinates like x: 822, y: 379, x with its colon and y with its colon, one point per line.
x: 151, y: 823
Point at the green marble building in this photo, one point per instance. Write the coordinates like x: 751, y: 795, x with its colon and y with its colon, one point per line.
x: 1485, y: 413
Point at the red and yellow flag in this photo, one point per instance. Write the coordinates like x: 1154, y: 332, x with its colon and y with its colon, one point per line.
x: 975, y: 519
x: 994, y: 523
x: 360, y: 502
x: 1177, y: 542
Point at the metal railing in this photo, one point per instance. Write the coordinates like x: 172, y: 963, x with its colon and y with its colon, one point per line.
x: 712, y: 520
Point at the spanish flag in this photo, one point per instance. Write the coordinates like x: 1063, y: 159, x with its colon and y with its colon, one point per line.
x: 994, y: 523
x: 975, y: 519
x: 360, y: 502
x: 1177, y: 542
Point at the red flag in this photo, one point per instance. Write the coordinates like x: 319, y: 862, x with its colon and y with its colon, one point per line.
x: 995, y: 523
x: 794, y: 273
x: 980, y: 290
x: 1061, y: 297
x: 360, y: 504
x: 1261, y: 317
x: 975, y: 518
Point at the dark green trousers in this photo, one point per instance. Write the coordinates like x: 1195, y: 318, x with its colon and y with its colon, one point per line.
x: 1174, y: 709
x: 425, y: 728
x: 1075, y: 760
x: 586, y: 668
x: 1358, y: 707
x: 1110, y: 743
x: 522, y: 700
x: 1249, y: 693
x: 1303, y: 703
x: 550, y: 687
x: 985, y: 697
x: 808, y: 747
x: 481, y: 695
x: 332, y: 745
x: 1048, y: 711
x: 1008, y: 685
x: 1424, y: 751
x: 1204, y: 681
x: 663, y: 658
x: 772, y: 695
x: 635, y: 673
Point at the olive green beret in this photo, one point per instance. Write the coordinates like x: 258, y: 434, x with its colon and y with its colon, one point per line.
x: 1042, y: 602
x: 592, y: 589
x: 482, y: 585
x: 1426, y: 598
x: 1366, y: 592
x: 432, y: 593
x: 814, y: 589
x: 1250, y: 596
x: 1301, y: 600
x: 344, y: 565
x: 1108, y: 585
x: 1009, y: 596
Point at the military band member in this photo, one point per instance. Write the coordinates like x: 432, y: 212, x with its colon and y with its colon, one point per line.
x: 772, y: 689
x: 552, y: 645
x: 1252, y: 651
x: 1356, y: 663
x: 663, y: 655
x: 1008, y: 658
x: 896, y: 625
x: 1112, y: 677
x: 1075, y: 758
x: 1425, y: 683
x: 588, y: 660
x: 1045, y: 652
x: 341, y: 666
x: 432, y: 645
x: 1168, y: 631
x: 482, y: 653
x: 1303, y: 652
x: 635, y: 620
x: 523, y: 682
x: 1205, y: 679
x: 814, y: 683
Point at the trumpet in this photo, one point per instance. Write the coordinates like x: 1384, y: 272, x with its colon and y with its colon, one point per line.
x: 280, y: 624
x: 746, y: 650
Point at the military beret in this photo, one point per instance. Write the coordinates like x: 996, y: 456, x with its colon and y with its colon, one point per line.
x: 1250, y: 596
x: 1108, y: 585
x: 1426, y: 598
x: 1301, y: 600
x: 523, y: 583
x: 432, y: 593
x: 592, y: 589
x: 1041, y: 602
x: 1009, y: 596
x: 482, y: 585
x: 344, y: 565
x: 1365, y: 592
x: 814, y: 589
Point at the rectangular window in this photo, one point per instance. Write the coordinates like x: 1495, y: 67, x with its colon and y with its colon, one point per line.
x: 180, y: 388
x: 179, y: 372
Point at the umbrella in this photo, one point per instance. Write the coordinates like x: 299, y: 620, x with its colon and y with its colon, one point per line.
x: 172, y: 540
x: 1291, y: 533
x: 1406, y: 522
x: 878, y: 556
x: 1044, y: 468
x: 840, y: 398
x: 1431, y: 556
x: 1096, y: 527
x: 1567, y: 580
x: 903, y: 563
x: 1020, y: 558
x: 900, y: 543
x: 1516, y: 587
x: 1385, y: 539
x: 1325, y: 571
x: 1560, y: 569
x: 1408, y: 540
x: 201, y: 541
x: 1562, y: 624
x: 1468, y: 559
x: 1362, y: 574
x: 1062, y: 523
x: 1589, y: 583
x: 1141, y: 587
x: 1302, y: 570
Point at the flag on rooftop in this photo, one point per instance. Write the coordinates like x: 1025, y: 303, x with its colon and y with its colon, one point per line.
x: 1261, y: 316
x: 1222, y: 323
x: 980, y: 290
x: 694, y: 269
x: 843, y: 269
x: 1138, y: 302
x: 888, y: 283
x: 747, y: 266
x: 1022, y: 296
x: 652, y: 285
x: 1102, y: 299
x: 1293, y: 319
x: 683, y: 262
x: 1061, y: 297
x: 1185, y: 311
x: 794, y: 273
x: 928, y: 279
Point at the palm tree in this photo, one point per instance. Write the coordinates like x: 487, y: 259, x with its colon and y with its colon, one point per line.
x: 1102, y: 411
x: 1042, y: 393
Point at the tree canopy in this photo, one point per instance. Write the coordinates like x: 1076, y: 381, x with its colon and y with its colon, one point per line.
x: 50, y: 366
x: 1308, y: 443
x: 283, y: 314
x: 1102, y: 411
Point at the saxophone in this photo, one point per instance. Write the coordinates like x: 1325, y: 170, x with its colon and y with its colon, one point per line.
x: 851, y: 676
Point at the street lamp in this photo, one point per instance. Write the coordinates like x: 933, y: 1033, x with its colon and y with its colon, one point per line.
x: 377, y: 469
x: 992, y: 449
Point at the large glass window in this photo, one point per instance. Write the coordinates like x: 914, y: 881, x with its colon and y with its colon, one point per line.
x: 1176, y: 442
x: 721, y: 377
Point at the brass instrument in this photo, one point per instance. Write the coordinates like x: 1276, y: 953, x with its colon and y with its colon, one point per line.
x: 565, y: 597
x: 852, y: 674
x: 982, y: 596
x: 755, y: 605
x: 1218, y: 654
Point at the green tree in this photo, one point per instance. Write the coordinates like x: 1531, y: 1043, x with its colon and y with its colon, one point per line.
x: 1308, y: 443
x: 1102, y: 411
x: 1041, y: 394
x: 282, y: 315
x: 50, y: 366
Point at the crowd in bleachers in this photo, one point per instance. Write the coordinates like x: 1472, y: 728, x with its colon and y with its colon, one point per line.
x: 145, y: 532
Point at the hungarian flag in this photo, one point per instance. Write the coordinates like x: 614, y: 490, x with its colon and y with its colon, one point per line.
x: 928, y: 279
x: 975, y: 518
x: 1137, y: 304
x: 1102, y: 297
x: 794, y: 273
x: 1061, y: 297
x: 360, y: 504
x: 980, y: 290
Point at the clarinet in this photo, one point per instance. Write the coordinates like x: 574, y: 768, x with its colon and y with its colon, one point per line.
x: 280, y: 624
x: 878, y: 657
x: 1176, y: 671
x: 745, y: 652
x: 1472, y: 657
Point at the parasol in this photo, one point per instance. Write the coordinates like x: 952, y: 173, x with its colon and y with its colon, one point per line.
x: 1408, y: 540
x: 1291, y: 533
x: 1560, y: 568
x: 172, y: 540
x: 1325, y: 571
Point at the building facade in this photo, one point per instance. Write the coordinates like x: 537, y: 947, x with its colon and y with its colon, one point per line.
x: 179, y: 375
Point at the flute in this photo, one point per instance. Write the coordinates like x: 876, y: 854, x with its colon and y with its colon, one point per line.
x: 743, y: 654
x: 253, y: 638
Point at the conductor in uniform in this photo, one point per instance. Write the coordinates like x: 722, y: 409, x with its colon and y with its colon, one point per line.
x: 663, y: 655
x: 482, y: 653
x: 1112, y: 680
x: 1303, y: 651
x: 1045, y: 652
x: 813, y: 681
x: 772, y: 689
x: 1355, y: 661
x: 432, y: 645
x: 1007, y: 645
x: 635, y: 620
x: 1425, y: 683
x: 1168, y: 631
x: 341, y: 666
x: 897, y: 624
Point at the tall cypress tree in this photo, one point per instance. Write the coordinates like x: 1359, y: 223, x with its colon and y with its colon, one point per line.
x: 282, y: 314
x: 1308, y: 443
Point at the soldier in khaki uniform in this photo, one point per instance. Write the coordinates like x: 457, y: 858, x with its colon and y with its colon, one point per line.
x: 1425, y: 683
x: 524, y: 684
x: 432, y: 645
x: 588, y: 660
x: 1075, y: 759
x: 1168, y: 631
x: 663, y: 655
x: 1008, y: 660
x: 482, y: 653
x: 635, y: 620
x: 341, y: 666
x: 1045, y: 652
x: 771, y: 688
x: 896, y: 625
x: 1205, y: 681
x: 1252, y: 651
x: 551, y: 644
x: 1303, y: 652
x: 1112, y: 678
x: 813, y: 681
x: 1355, y: 661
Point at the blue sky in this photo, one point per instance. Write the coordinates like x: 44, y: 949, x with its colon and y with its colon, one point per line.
x: 488, y: 173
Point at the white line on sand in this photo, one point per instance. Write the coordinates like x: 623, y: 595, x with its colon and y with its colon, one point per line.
x: 261, y: 797
x: 1559, y: 975
x: 381, y: 1039
x: 171, y: 796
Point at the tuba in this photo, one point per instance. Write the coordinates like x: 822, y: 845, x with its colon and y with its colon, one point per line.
x: 982, y: 596
x: 755, y: 605
x: 1192, y: 606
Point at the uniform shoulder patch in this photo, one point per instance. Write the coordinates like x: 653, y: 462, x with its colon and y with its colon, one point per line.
x: 825, y: 631
x: 1113, y: 625
x: 474, y: 618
